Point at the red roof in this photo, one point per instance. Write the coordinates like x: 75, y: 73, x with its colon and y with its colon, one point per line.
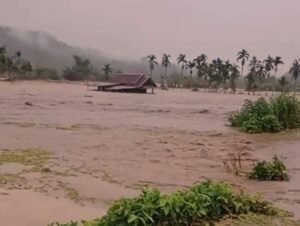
x: 127, y: 79
x: 136, y: 80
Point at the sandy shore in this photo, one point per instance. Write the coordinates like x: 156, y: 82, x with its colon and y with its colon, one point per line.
x: 74, y: 151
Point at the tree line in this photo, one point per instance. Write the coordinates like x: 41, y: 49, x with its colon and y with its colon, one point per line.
x: 219, y: 72
x: 213, y: 74
x: 13, y: 65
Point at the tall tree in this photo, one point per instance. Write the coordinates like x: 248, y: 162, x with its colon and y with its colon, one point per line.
x: 201, y: 65
x: 277, y: 61
x: 269, y: 65
x: 243, y: 56
x: 295, y: 72
x: 261, y: 72
x: 226, y: 71
x: 107, y: 70
x: 234, y: 74
x: 152, y: 63
x: 181, y: 60
x: 254, y: 62
x: 81, y: 69
x: 200, y: 59
x: 166, y: 62
x: 251, y: 84
x: 216, y: 70
x: 190, y: 66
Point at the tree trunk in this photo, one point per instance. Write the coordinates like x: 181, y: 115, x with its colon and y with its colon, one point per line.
x: 165, y: 72
x: 242, y: 71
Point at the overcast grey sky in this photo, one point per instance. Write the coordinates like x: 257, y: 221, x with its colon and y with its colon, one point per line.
x: 134, y: 28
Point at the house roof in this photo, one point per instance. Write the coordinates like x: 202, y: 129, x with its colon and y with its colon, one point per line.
x: 136, y: 80
x: 122, y: 87
x: 128, y: 79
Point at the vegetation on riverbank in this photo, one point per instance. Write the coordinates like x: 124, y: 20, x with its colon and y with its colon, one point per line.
x: 215, y: 74
x: 273, y: 115
x: 203, y: 204
x: 269, y: 171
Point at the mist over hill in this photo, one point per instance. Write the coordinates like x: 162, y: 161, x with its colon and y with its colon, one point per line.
x: 44, y: 50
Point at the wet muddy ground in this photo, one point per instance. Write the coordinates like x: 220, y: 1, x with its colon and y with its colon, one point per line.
x: 69, y: 152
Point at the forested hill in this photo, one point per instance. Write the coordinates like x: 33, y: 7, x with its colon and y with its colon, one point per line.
x: 44, y: 50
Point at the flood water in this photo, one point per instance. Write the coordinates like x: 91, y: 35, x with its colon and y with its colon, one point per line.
x: 103, y: 146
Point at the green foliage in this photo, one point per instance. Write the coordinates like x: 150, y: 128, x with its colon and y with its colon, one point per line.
x: 81, y: 69
x: 282, y: 112
x: 286, y: 108
x: 202, y: 204
x: 269, y: 171
x: 45, y: 73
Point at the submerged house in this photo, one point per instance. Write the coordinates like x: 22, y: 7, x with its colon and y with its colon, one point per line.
x: 130, y: 83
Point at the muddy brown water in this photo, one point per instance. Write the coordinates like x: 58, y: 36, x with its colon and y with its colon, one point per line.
x: 104, y: 146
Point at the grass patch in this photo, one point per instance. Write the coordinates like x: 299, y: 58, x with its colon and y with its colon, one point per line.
x: 279, y: 113
x: 27, y: 157
x: 11, y: 179
x: 269, y: 171
x: 203, y: 204
x: 74, y: 194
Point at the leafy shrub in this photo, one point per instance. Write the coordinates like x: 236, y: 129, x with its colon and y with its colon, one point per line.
x: 287, y: 110
x: 282, y: 112
x: 202, y: 204
x: 46, y: 73
x: 269, y: 171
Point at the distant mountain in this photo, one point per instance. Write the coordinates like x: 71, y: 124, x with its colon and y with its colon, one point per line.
x: 44, y: 50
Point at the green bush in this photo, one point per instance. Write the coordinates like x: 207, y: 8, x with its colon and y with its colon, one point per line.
x: 46, y: 73
x: 282, y: 112
x: 202, y: 204
x: 269, y: 171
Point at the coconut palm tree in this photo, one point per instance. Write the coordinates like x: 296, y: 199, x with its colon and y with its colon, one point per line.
x: 295, y: 72
x: 269, y: 65
x: 202, y: 70
x: 226, y: 70
x: 216, y: 71
x: 200, y: 59
x: 234, y: 74
x: 261, y: 72
x: 203, y: 58
x: 182, y: 61
x: 277, y: 61
x: 243, y: 56
x: 107, y: 71
x: 225, y: 73
x: 166, y: 62
x: 152, y: 63
x: 190, y: 66
x: 201, y: 65
x: 251, y: 85
x: 254, y: 62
